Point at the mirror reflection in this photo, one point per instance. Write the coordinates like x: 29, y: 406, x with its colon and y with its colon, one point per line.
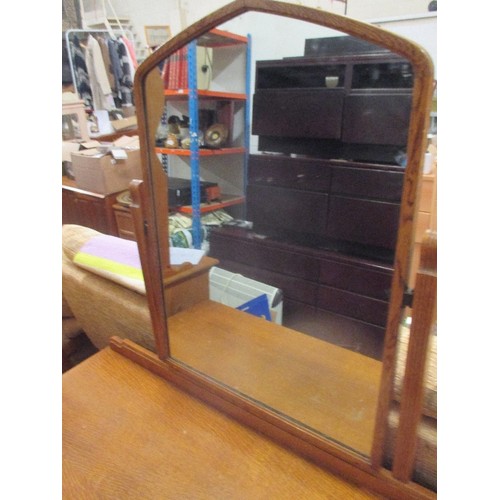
x: 285, y: 160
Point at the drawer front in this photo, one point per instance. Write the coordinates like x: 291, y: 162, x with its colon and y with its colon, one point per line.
x: 125, y: 224
x: 270, y: 207
x: 288, y: 172
x: 298, y: 113
x: 295, y: 289
x: 354, y: 279
x: 124, y: 221
x: 367, y: 183
x: 353, y: 305
x: 92, y: 213
x: 377, y: 119
x: 264, y: 257
x: 363, y: 221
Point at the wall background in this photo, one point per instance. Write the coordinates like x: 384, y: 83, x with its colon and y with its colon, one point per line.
x: 409, y: 18
x: 180, y: 13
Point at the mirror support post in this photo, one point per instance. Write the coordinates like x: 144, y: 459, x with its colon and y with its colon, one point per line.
x: 151, y: 205
x: 417, y: 143
x: 151, y: 278
x: 424, y: 307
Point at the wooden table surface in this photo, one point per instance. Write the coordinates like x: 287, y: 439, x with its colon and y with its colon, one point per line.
x: 128, y: 434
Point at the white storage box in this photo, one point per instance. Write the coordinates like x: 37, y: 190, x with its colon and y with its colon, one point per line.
x: 234, y: 290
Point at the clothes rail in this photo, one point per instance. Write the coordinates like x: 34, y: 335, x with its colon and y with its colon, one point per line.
x: 70, y: 32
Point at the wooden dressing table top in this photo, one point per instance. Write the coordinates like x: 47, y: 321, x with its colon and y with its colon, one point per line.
x: 130, y: 434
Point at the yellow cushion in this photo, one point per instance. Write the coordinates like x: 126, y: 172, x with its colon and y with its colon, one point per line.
x: 113, y: 258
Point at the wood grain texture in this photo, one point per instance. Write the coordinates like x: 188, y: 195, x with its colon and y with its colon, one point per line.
x: 283, y: 431
x: 128, y: 434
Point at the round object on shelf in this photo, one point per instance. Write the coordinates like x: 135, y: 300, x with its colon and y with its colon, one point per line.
x: 216, y: 135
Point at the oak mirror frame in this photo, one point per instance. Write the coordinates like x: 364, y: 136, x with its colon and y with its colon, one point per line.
x: 151, y: 220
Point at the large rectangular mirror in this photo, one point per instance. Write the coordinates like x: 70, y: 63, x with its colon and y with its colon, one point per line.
x: 314, y: 150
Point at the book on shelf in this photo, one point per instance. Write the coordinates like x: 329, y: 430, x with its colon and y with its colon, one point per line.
x: 175, y: 70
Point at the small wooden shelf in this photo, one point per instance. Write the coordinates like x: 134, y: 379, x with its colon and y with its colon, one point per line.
x: 227, y: 201
x: 205, y: 94
x: 202, y: 152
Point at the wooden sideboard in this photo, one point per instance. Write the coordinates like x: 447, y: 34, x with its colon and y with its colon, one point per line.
x: 88, y: 209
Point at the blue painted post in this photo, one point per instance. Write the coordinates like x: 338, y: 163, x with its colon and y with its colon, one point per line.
x: 194, y: 144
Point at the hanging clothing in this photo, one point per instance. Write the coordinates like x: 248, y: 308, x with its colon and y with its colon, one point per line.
x: 103, y: 45
x: 82, y: 81
x: 98, y: 77
x: 131, y: 51
x: 130, y: 61
x: 127, y: 80
x: 116, y: 69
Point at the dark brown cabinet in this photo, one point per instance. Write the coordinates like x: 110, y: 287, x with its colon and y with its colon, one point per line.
x: 354, y: 106
x: 324, y: 194
x: 324, y: 231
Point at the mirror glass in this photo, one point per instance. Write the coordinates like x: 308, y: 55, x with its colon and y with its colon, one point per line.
x: 287, y: 166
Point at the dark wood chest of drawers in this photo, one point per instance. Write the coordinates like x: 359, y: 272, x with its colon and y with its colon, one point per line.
x: 324, y: 231
x: 355, y: 203
x: 351, y: 286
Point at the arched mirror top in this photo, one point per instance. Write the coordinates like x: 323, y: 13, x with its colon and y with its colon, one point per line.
x: 419, y: 58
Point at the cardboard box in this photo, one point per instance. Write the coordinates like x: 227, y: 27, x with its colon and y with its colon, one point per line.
x: 102, y: 173
x: 125, y: 123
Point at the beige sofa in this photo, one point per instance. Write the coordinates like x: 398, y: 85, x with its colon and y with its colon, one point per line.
x: 103, y: 309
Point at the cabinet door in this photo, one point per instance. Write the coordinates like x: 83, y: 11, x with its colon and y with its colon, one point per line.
x: 298, y: 113
x: 69, y: 209
x: 92, y: 213
x: 376, y: 119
